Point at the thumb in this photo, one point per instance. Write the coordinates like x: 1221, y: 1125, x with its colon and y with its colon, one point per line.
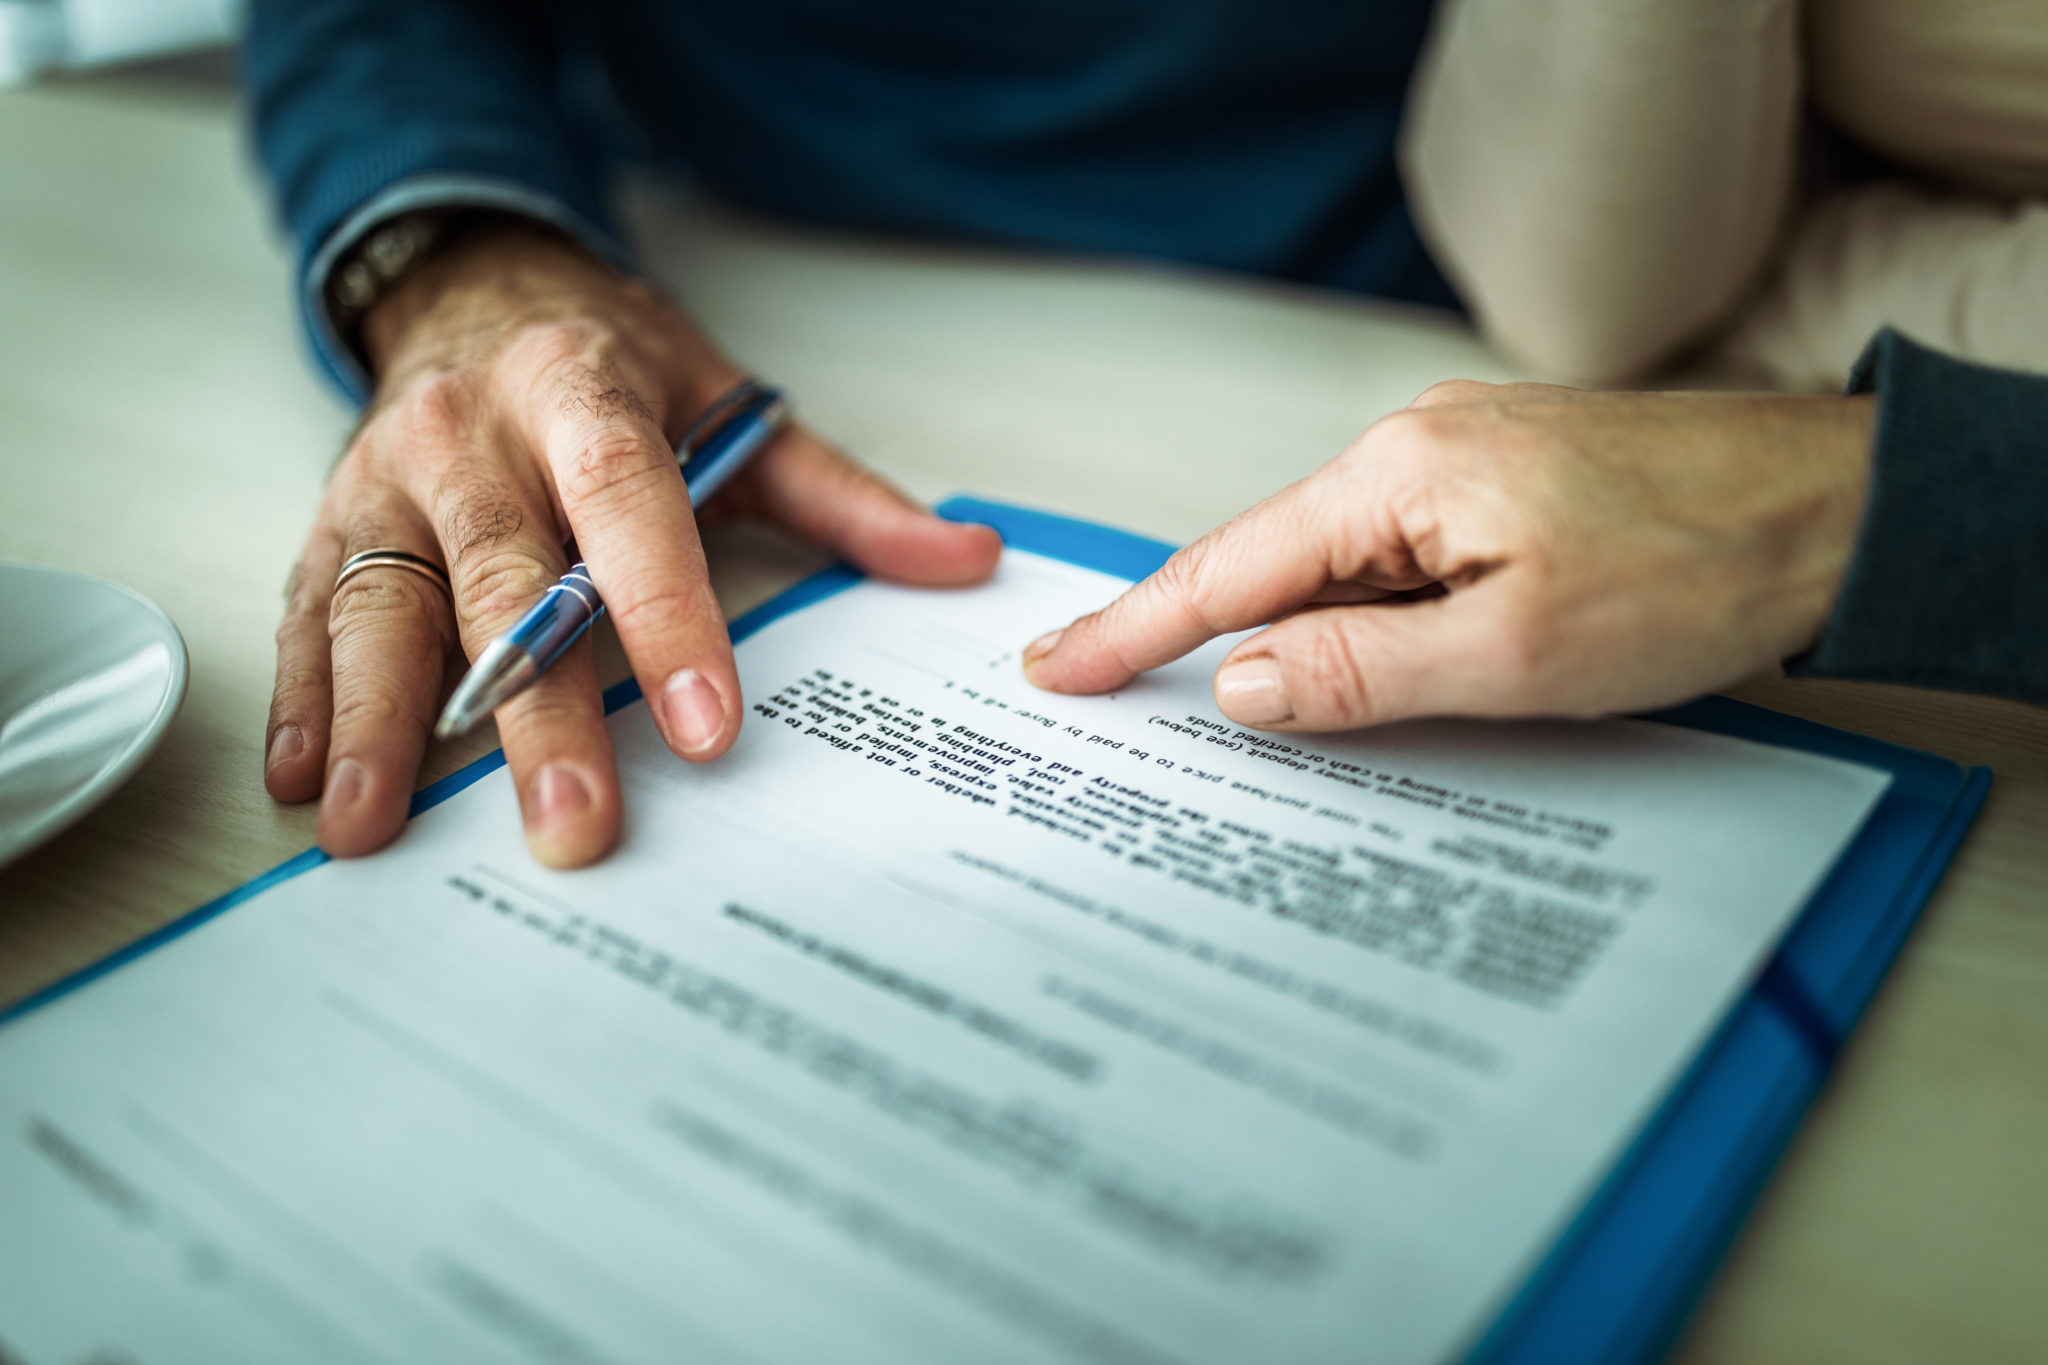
x: 820, y: 493
x: 1339, y: 668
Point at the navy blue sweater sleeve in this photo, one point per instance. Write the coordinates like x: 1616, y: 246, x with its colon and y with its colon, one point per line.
x: 1948, y: 586
x: 364, y: 109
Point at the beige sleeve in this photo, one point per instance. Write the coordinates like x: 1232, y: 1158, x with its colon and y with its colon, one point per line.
x: 1603, y: 180
x: 1962, y: 274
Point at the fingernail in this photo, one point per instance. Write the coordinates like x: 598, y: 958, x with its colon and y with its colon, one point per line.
x: 346, y: 782
x: 1036, y: 651
x: 1252, y: 692
x: 559, y: 798
x: 286, y: 745
x: 695, y: 714
x: 1043, y: 645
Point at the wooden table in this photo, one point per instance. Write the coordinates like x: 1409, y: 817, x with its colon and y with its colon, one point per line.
x: 159, y: 426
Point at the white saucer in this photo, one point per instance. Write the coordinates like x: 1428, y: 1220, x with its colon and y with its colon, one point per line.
x: 90, y: 676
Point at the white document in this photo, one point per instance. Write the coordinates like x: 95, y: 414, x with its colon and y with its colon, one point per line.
x: 943, y: 1020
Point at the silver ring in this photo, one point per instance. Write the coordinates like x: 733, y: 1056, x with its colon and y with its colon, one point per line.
x: 395, y: 559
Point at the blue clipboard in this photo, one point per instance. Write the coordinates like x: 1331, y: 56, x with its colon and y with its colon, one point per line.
x: 1618, y: 1283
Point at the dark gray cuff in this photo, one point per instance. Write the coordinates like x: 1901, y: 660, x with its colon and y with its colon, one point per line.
x: 1948, y: 586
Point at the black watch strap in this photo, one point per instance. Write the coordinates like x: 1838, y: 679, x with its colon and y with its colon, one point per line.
x: 380, y: 260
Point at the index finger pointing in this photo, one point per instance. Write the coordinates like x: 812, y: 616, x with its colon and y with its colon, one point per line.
x: 1269, y: 560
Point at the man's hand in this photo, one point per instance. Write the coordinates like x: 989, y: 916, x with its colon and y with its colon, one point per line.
x: 1509, y: 550
x: 527, y: 394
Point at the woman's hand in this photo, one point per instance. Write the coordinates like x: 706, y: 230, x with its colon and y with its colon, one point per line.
x: 527, y: 394
x: 1509, y: 550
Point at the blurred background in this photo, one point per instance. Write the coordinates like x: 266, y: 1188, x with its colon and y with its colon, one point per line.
x: 56, y: 35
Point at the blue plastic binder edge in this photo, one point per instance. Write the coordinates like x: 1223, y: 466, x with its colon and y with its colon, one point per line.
x: 1616, y: 1286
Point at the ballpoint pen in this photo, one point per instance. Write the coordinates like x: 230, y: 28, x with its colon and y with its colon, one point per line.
x: 735, y: 426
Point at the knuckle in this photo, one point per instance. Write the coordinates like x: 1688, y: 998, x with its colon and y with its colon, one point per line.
x: 296, y: 691
x: 653, y: 609
x: 373, y: 710
x: 1189, y: 581
x: 305, y: 596
x: 1415, y: 505
x: 612, y: 467
x: 500, y: 581
x: 549, y: 711
x: 1336, y: 681
x: 1411, y: 448
x: 1173, y: 580
x: 1392, y: 441
x: 586, y: 364
x: 1354, y: 458
x: 559, y: 347
x: 371, y: 603
x: 298, y: 623
x: 299, y: 680
x: 358, y: 453
x: 438, y: 410
x: 602, y: 395
x: 1446, y: 392
x: 480, y: 512
x: 1413, y: 427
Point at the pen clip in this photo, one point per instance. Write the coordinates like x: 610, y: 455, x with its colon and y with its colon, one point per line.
x: 723, y: 409
x: 740, y: 422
